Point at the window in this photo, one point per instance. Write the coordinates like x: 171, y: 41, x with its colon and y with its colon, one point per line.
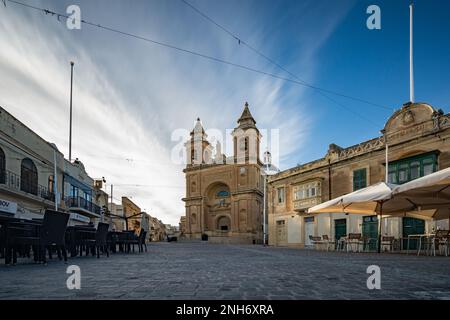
x: 415, y: 170
x: 309, y: 219
x: 222, y: 194
x: 194, y: 156
x: 73, y: 191
x: 359, y: 179
x: 280, y: 194
x: 28, y: 177
x: 2, y: 166
x: 243, y: 145
x: 408, y: 169
x: 307, y: 190
x: 51, y: 184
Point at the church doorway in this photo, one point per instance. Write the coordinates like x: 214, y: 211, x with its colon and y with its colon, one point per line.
x: 224, y: 224
x: 218, y: 208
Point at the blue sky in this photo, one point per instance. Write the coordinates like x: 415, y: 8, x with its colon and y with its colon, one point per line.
x: 129, y: 95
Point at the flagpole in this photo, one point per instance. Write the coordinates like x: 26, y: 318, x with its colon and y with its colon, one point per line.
x: 411, y: 69
x: 70, y: 124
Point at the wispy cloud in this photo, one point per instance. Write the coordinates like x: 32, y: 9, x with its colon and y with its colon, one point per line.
x: 129, y: 96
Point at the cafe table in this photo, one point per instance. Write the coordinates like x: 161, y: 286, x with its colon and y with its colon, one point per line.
x: 418, y: 237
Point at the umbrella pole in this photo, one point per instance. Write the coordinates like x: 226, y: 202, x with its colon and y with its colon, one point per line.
x: 379, y: 227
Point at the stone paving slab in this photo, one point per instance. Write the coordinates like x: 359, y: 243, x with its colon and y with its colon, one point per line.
x: 213, y: 271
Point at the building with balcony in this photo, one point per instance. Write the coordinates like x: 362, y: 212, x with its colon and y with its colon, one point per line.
x: 27, y: 168
x: 418, y: 138
x: 27, y: 176
x: 78, y: 193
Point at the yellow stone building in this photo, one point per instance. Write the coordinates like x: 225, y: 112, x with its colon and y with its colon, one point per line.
x: 418, y: 139
x: 224, y: 195
x: 131, y: 211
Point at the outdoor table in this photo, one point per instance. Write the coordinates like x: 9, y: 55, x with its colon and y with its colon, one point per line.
x: 418, y: 237
x: 9, y: 225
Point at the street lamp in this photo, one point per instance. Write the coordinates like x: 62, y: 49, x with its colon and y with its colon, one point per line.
x: 268, y: 170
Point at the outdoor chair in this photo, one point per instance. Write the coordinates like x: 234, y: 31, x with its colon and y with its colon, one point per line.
x: 48, y: 235
x: 327, y: 241
x: 53, y: 233
x: 101, y: 239
x: 141, y: 243
x: 112, y: 240
x: 316, y: 241
x: 439, y: 241
x: 128, y: 240
x: 387, y: 242
x: 100, y: 242
x: 354, y: 239
x: 341, y: 243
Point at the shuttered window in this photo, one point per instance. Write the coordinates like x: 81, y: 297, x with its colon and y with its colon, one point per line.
x: 359, y: 179
x: 408, y: 169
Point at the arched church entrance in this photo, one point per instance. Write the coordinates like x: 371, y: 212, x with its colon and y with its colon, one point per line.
x: 223, y: 224
x: 218, y: 207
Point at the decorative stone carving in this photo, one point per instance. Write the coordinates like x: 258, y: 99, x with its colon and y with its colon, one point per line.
x: 408, y: 118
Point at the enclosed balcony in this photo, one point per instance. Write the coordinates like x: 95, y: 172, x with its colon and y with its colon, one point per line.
x: 80, y: 204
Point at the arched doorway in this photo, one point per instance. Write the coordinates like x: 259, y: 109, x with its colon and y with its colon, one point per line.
x: 223, y: 224
x: 218, y: 207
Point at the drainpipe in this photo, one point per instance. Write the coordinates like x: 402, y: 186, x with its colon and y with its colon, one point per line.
x: 329, y: 179
x: 329, y: 195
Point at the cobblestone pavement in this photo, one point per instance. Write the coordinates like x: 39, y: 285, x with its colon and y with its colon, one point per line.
x: 212, y: 271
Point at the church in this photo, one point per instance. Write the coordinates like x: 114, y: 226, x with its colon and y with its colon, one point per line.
x: 224, y: 195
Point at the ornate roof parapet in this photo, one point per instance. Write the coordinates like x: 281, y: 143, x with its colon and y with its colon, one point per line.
x: 364, y: 147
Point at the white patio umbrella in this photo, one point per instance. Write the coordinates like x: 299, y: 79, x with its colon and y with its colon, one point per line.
x: 428, y: 196
x: 369, y: 201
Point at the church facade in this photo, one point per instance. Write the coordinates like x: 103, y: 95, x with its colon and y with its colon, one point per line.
x: 224, y: 195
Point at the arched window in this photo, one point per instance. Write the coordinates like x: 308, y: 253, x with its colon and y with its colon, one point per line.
x: 2, y: 167
x: 28, y: 177
x: 222, y: 194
